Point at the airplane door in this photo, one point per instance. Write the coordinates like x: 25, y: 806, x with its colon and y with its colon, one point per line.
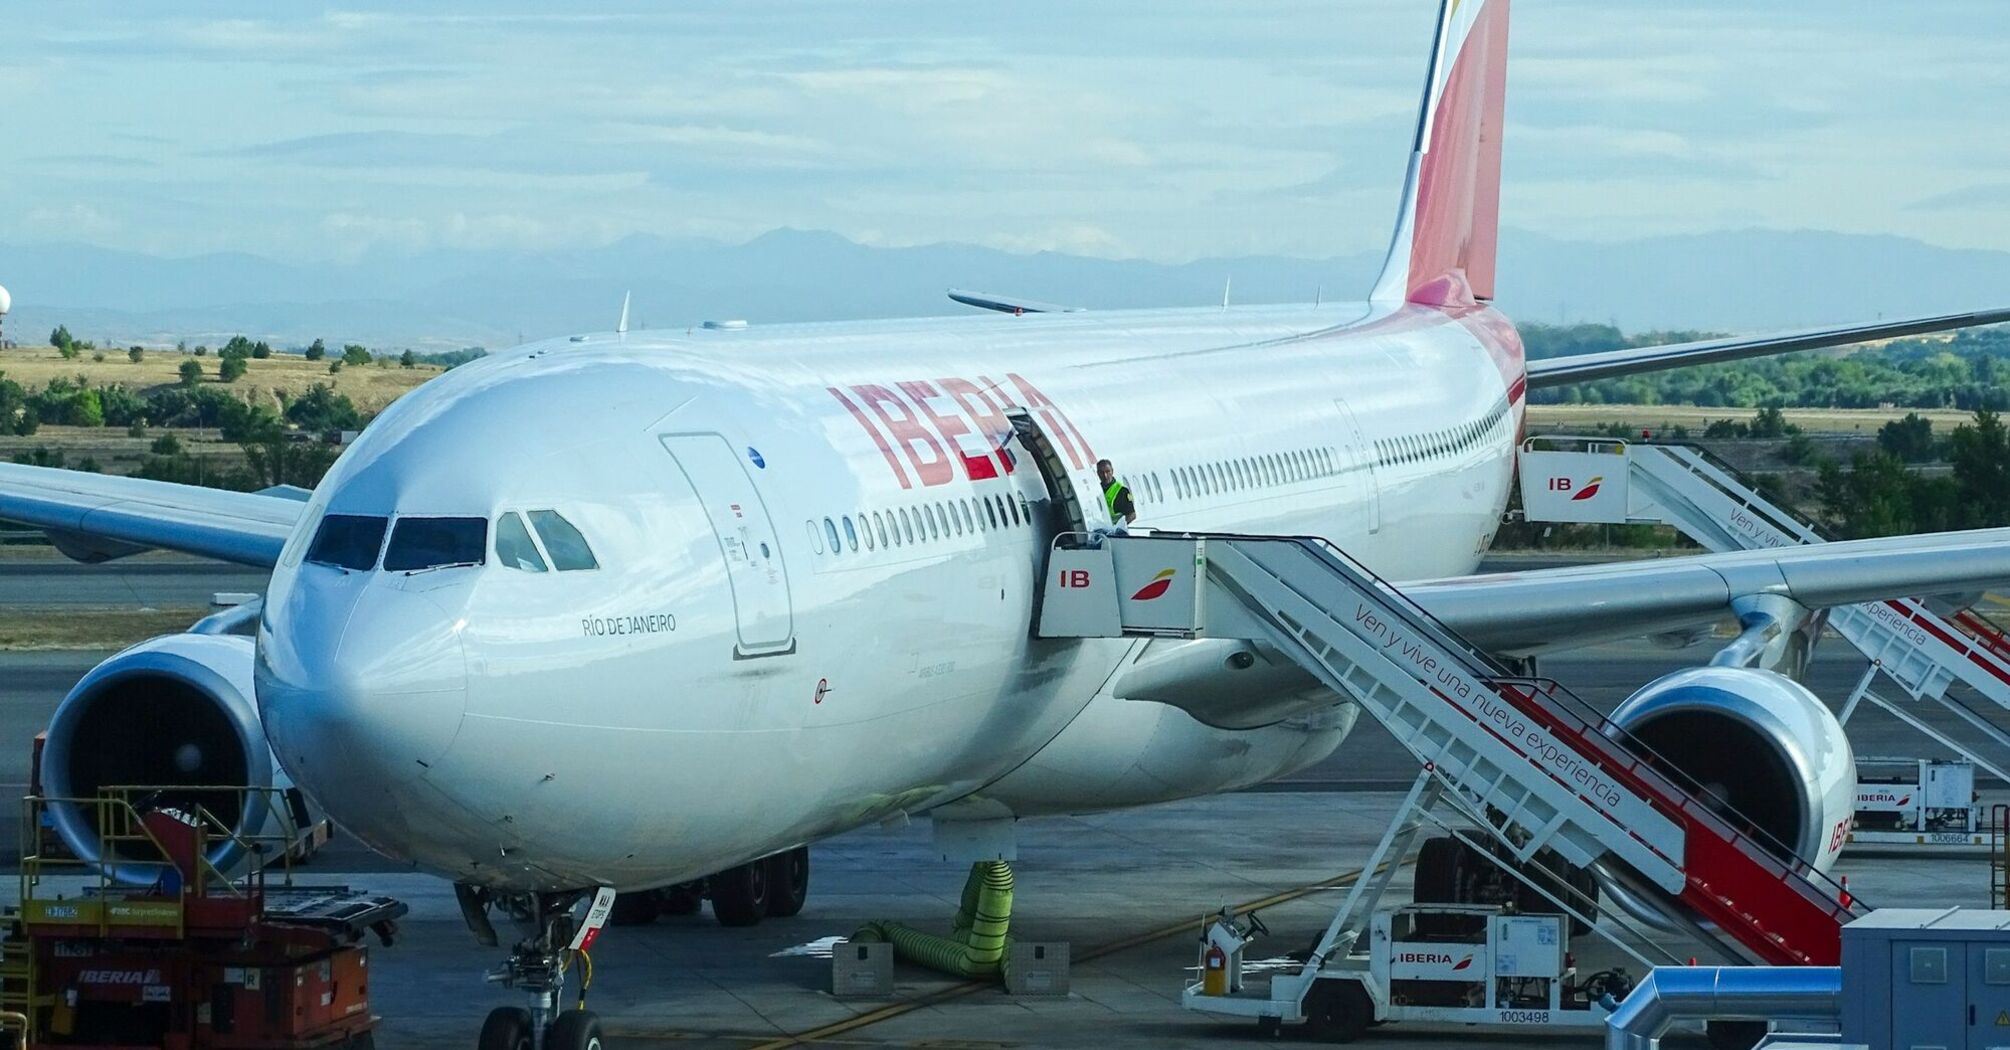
x: 1067, y: 505
x: 747, y: 541
x: 1364, y: 457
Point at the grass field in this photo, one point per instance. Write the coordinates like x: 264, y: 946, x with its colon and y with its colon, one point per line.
x: 370, y: 387
x: 1860, y: 421
x: 24, y: 628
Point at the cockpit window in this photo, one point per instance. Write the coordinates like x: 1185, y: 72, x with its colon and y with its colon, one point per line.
x: 513, y: 546
x: 348, y: 541
x: 566, y: 546
x: 436, y: 543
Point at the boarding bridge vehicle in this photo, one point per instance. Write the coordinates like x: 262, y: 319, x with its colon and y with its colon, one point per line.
x: 1527, y: 763
x: 1594, y: 481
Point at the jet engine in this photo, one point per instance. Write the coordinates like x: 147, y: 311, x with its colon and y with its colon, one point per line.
x: 1764, y: 749
x: 174, y: 712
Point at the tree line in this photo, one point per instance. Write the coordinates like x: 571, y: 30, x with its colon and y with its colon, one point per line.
x: 1968, y: 371
x: 279, y: 446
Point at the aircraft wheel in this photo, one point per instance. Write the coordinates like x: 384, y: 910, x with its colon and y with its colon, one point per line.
x: 574, y: 1030
x: 1337, y: 1011
x: 740, y: 894
x: 634, y: 909
x: 788, y: 882
x: 506, y: 1028
x: 1437, y: 879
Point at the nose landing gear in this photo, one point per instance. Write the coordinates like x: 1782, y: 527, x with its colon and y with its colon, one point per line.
x: 550, y: 944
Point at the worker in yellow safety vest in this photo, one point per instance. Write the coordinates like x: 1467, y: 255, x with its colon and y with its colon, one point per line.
x: 1116, y: 494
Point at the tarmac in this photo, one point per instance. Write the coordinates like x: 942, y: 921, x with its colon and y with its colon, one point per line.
x: 1126, y: 890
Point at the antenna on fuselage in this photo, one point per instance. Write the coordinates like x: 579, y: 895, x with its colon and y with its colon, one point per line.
x: 1225, y: 286
x: 621, y: 328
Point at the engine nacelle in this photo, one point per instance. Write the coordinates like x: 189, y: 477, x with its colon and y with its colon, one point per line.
x: 173, y: 711
x: 1761, y: 742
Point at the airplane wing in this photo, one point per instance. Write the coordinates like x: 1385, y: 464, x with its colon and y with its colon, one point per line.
x: 1009, y: 304
x: 1523, y: 613
x: 93, y: 518
x: 1579, y: 368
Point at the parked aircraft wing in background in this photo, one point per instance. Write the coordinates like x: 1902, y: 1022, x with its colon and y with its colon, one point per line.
x: 1009, y: 304
x: 1579, y: 368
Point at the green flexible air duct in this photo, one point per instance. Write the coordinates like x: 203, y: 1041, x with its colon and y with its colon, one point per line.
x: 978, y: 944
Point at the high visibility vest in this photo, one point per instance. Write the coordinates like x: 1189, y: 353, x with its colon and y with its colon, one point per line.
x: 1110, y: 493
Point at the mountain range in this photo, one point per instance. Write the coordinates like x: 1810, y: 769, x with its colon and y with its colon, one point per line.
x: 1741, y: 280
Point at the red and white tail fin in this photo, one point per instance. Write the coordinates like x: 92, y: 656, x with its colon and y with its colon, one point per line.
x: 1443, y: 251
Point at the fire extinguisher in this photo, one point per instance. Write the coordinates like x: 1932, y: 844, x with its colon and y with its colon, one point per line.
x: 1214, y: 971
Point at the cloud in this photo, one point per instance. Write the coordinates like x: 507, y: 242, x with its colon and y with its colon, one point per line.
x: 1196, y: 129
x: 1985, y: 195
x: 70, y: 222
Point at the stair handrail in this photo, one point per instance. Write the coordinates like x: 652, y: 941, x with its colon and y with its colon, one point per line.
x: 1679, y: 792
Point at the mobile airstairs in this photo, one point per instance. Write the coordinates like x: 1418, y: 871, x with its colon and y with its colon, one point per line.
x: 1923, y: 653
x: 1528, y: 764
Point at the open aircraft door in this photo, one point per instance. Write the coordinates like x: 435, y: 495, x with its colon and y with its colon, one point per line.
x: 747, y: 541
x: 1059, y: 503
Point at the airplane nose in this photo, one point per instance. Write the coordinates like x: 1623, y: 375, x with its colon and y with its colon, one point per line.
x: 363, y: 689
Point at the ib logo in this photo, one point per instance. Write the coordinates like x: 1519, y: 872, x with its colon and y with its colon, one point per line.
x: 1160, y: 584
x: 1589, y: 490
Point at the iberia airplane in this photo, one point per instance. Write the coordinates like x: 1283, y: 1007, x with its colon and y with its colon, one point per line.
x: 638, y: 609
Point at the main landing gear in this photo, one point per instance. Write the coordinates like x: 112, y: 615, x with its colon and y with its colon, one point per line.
x: 548, y: 948
x: 742, y: 895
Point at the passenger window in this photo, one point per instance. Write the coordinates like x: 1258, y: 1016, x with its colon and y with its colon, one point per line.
x: 850, y: 534
x: 831, y: 531
x: 348, y: 541
x: 990, y: 511
x: 566, y: 546
x: 514, y: 550
x: 963, y: 507
x: 816, y: 538
x: 879, y: 526
x: 1024, y: 512
x: 906, y: 525
x: 436, y: 543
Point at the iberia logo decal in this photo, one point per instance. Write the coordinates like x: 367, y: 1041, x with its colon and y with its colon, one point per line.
x: 1463, y: 963
x: 1590, y: 489
x: 1157, y: 588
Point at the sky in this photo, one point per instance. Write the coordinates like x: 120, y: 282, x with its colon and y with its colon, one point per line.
x: 1169, y: 130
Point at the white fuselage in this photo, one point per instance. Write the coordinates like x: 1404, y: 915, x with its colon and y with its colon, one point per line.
x: 726, y: 684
